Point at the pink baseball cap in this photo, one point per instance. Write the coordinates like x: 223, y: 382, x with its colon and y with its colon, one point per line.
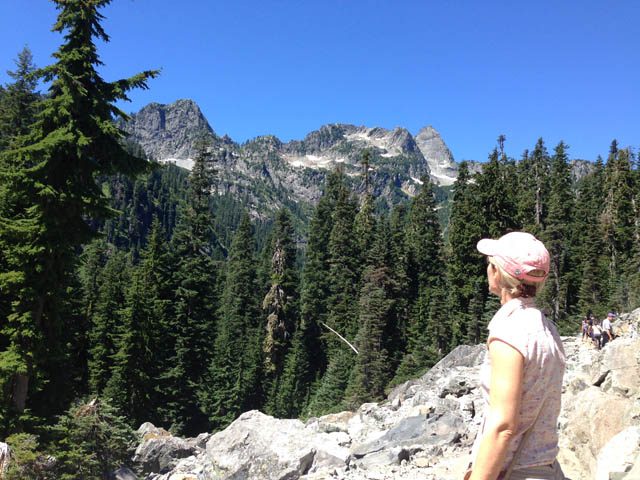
x: 520, y: 254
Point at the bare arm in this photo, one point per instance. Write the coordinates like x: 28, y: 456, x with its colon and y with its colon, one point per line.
x: 507, y: 367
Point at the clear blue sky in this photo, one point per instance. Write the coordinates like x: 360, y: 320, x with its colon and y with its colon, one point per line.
x: 561, y: 70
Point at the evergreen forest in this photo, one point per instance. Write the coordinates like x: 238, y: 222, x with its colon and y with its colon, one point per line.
x: 131, y: 292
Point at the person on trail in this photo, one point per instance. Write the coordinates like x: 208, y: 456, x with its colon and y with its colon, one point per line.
x: 596, y: 335
x: 607, y: 329
x: 521, y: 377
x: 585, y: 327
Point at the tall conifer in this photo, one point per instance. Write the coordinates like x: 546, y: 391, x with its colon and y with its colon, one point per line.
x: 233, y: 379
x: 557, y: 235
x: 196, y: 299
x: 52, y: 171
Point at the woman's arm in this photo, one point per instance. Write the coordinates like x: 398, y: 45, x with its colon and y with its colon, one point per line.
x: 507, y: 367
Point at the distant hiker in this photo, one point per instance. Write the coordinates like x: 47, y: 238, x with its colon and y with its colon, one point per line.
x: 596, y: 335
x: 607, y: 329
x: 521, y: 377
x: 585, y: 328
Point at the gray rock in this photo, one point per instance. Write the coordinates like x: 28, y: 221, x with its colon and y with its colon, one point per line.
x: 257, y: 446
x: 123, y: 474
x: 620, y: 454
x: 160, y: 454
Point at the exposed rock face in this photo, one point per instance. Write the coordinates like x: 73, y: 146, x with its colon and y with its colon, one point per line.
x: 443, y: 167
x: 169, y: 131
x: 426, y: 427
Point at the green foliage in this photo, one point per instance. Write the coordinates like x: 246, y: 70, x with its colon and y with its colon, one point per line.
x: 232, y: 381
x: 195, y: 301
x: 49, y: 191
x: 19, y: 101
x: 28, y: 462
x: 372, y: 369
x: 344, y: 276
x: 557, y: 232
x: 92, y: 442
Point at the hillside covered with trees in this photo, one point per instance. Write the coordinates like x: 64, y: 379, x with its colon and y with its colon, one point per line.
x: 132, y: 292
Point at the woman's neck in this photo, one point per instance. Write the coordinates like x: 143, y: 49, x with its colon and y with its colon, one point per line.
x: 505, y: 296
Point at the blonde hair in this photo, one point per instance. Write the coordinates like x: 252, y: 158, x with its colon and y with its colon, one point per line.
x: 514, y: 286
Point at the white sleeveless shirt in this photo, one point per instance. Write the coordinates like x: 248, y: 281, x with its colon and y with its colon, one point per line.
x: 520, y: 324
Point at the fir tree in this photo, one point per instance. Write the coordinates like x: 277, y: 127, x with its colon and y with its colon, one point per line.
x: 233, y: 379
x: 589, y: 243
x: 130, y: 386
x: 52, y: 172
x: 19, y: 101
x: 105, y: 319
x: 93, y: 441
x: 465, y: 268
x: 307, y: 360
x: 557, y: 235
x: 342, y: 312
x: 427, y: 265
x: 372, y: 370
x: 533, y: 188
x: 620, y: 223
x: 195, y: 301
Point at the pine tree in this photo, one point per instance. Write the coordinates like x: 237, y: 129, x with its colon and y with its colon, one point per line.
x: 376, y: 317
x: 533, y: 189
x: 144, y: 337
x: 342, y: 312
x: 131, y: 382
x: 105, y: 319
x: 19, y: 101
x: 195, y: 300
x: 93, y: 440
x: 557, y: 235
x: 233, y: 378
x: 591, y: 262
x: 465, y: 268
x: 307, y: 360
x: 399, y: 263
x: 619, y: 223
x: 425, y: 246
x: 53, y: 191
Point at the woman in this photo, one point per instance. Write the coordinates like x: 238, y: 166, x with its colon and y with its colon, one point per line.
x: 521, y: 378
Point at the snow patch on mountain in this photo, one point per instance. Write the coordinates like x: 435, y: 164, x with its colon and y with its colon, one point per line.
x: 186, y: 163
x: 376, y: 137
x: 311, y: 161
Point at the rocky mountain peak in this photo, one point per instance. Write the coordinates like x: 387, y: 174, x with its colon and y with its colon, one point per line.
x: 169, y: 131
x: 438, y: 155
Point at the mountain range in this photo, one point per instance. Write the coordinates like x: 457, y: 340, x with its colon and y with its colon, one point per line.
x: 268, y: 173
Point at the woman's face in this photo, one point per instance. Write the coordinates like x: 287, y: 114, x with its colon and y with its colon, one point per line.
x: 492, y: 278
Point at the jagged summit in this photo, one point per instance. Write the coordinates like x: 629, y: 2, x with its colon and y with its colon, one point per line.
x: 443, y: 166
x: 168, y: 131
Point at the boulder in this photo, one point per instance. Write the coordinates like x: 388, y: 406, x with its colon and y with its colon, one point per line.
x: 159, y: 451
x: 258, y: 446
x: 617, y: 458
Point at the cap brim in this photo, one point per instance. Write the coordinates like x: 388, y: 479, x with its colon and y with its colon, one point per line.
x: 488, y: 246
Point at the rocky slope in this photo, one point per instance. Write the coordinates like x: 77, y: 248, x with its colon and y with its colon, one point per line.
x: 424, y: 430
